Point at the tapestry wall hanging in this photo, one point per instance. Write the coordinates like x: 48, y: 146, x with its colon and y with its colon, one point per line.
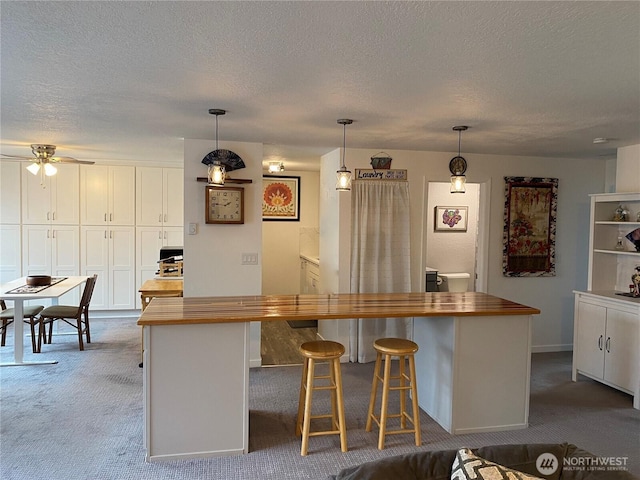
x: 281, y: 198
x: 529, y: 227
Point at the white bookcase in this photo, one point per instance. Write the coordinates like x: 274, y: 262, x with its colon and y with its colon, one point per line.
x: 606, y: 338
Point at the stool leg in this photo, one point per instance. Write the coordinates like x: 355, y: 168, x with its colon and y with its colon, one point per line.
x: 342, y: 426
x: 334, y: 396
x: 374, y: 391
x: 385, y: 401
x: 307, y: 409
x: 403, y: 396
x: 414, y: 399
x: 303, y: 383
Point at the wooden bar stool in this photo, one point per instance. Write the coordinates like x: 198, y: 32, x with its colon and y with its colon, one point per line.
x: 403, y: 349
x: 321, y: 351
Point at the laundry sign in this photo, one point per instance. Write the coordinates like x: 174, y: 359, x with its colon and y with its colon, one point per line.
x: 390, y: 174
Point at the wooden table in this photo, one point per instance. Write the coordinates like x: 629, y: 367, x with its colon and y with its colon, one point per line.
x: 473, y: 362
x: 159, y: 288
x: 52, y: 292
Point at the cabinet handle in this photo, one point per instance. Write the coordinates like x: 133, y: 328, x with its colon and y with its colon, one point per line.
x: 600, y: 342
x: 165, y: 218
x: 105, y: 234
x: 53, y: 215
x: 47, y: 233
x: 165, y: 235
x: 48, y: 216
x: 53, y: 234
x: 608, y: 345
x: 160, y: 218
x: 110, y: 233
x: 111, y: 217
x: 105, y: 218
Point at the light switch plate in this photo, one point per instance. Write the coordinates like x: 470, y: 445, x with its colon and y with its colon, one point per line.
x: 249, y: 259
x: 193, y: 228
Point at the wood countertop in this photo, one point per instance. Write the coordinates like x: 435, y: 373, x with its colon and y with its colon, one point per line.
x: 195, y: 310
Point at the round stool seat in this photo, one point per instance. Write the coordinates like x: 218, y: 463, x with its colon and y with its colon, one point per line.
x: 395, y: 346
x: 322, y: 349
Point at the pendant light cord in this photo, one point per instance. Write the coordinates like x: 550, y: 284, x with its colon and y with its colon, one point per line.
x: 459, y: 133
x: 217, y: 133
x: 344, y: 142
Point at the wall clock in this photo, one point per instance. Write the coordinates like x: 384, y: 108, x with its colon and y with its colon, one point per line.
x: 224, y: 205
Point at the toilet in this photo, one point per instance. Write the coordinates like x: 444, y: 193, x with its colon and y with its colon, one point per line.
x: 453, y: 282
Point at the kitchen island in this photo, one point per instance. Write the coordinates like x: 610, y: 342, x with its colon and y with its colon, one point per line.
x: 473, y: 365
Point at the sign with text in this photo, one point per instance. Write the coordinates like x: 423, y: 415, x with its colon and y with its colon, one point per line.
x: 380, y: 174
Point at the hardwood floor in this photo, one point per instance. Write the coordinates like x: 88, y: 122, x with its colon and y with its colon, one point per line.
x: 280, y: 342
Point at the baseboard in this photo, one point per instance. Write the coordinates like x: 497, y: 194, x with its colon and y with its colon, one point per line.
x: 114, y: 314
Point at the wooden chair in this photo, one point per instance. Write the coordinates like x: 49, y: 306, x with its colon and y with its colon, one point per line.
x: 403, y: 349
x: 321, y: 351
x: 69, y: 314
x: 30, y: 313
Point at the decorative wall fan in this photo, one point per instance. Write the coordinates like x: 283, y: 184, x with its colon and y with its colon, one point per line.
x: 45, y: 159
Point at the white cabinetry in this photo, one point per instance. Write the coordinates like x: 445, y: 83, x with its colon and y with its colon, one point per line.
x: 109, y: 252
x: 309, y: 276
x: 10, y: 256
x: 159, y: 196
x: 51, y: 250
x: 107, y: 195
x: 149, y: 241
x: 55, y: 202
x: 606, y: 339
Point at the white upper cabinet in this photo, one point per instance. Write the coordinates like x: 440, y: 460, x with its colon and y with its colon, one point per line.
x: 159, y: 196
x: 10, y: 192
x: 54, y: 202
x: 107, y: 195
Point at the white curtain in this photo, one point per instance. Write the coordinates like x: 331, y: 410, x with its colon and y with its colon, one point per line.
x: 380, y: 258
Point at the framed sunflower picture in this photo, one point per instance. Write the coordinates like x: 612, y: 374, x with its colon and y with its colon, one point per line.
x: 281, y: 198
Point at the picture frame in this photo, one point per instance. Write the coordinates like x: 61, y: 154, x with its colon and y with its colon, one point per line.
x: 451, y: 219
x: 529, y: 234
x: 224, y: 205
x: 280, y: 198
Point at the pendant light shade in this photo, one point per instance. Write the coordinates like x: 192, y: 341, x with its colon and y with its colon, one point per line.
x: 458, y: 165
x: 276, y: 167
x: 216, y: 172
x: 34, y: 168
x: 343, y: 176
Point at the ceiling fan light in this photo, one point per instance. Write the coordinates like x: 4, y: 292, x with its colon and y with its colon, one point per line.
x: 49, y: 170
x: 216, y: 174
x: 458, y: 183
x: 34, y: 168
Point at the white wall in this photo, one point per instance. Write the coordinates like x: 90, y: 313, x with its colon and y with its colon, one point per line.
x: 628, y: 169
x: 553, y: 328
x: 454, y: 251
x: 213, y: 257
x: 281, y: 246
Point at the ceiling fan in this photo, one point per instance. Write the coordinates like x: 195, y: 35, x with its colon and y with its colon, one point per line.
x: 44, y: 160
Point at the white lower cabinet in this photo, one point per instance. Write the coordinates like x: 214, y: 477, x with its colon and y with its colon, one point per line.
x: 109, y: 252
x: 606, y: 345
x: 10, y: 267
x: 52, y: 250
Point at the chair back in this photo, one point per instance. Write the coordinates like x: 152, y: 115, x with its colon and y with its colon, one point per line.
x: 3, y: 306
x: 88, y: 292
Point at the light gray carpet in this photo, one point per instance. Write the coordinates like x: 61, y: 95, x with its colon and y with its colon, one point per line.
x: 82, y: 418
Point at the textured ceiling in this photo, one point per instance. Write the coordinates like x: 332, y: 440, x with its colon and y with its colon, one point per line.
x: 129, y: 80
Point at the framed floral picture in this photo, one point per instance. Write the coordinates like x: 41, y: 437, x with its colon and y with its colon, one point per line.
x: 451, y: 219
x: 281, y: 198
x: 529, y: 235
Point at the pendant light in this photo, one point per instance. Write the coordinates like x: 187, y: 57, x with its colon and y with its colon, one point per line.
x: 216, y: 171
x: 458, y: 165
x: 276, y: 167
x: 343, y: 182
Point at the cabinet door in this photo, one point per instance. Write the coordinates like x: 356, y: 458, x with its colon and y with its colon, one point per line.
x: 36, y: 198
x: 122, y: 198
x: 173, y: 201
x: 591, y: 321
x: 65, y: 197
x: 36, y: 249
x: 149, y: 196
x: 149, y: 240
x: 94, y: 259
x: 622, y: 360
x: 10, y: 253
x: 172, y: 237
x: 10, y: 192
x: 122, y: 267
x: 94, y: 195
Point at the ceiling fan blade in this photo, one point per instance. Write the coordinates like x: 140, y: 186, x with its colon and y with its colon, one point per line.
x: 17, y: 157
x: 70, y: 160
